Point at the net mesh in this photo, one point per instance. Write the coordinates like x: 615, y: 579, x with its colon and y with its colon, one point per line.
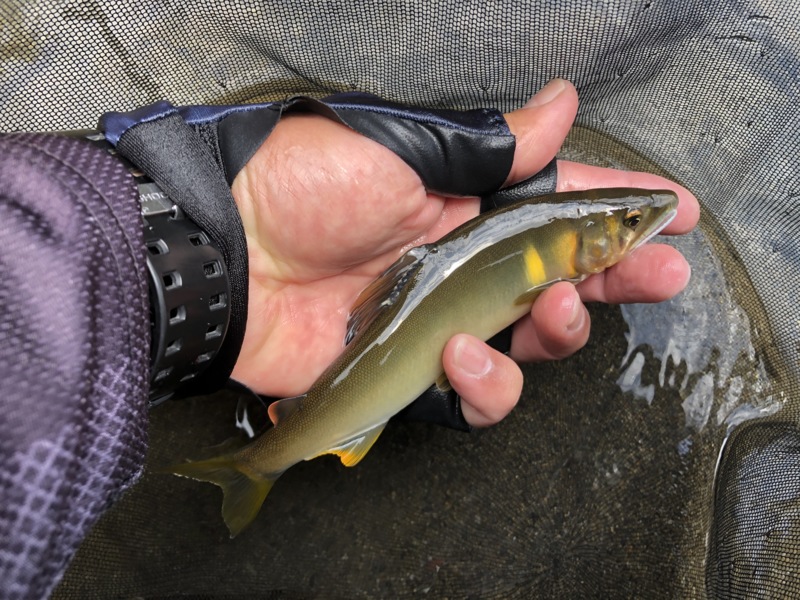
x: 661, y: 461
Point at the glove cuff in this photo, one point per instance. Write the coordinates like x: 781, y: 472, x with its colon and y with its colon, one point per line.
x: 158, y: 141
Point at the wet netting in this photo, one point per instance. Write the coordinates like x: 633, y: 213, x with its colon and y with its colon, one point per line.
x: 662, y: 461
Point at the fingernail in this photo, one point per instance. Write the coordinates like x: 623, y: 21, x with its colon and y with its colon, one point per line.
x: 472, y: 358
x: 576, y: 315
x: 547, y: 94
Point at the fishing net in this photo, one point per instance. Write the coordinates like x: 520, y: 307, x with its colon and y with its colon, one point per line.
x: 662, y: 461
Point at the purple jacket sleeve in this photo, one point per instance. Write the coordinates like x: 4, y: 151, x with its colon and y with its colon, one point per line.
x: 74, y: 346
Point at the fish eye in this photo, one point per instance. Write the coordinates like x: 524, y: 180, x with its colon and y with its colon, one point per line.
x: 632, y: 219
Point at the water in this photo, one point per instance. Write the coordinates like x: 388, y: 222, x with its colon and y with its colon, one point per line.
x: 711, y: 343
x: 702, y: 344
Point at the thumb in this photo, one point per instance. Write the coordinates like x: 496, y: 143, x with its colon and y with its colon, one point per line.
x: 540, y: 127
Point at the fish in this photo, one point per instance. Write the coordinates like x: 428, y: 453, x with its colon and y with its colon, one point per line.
x: 478, y: 279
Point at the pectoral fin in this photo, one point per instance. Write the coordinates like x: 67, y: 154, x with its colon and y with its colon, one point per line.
x: 352, y: 451
x: 443, y: 383
x: 529, y: 296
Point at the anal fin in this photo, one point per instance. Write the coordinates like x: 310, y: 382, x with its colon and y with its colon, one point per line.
x: 352, y: 451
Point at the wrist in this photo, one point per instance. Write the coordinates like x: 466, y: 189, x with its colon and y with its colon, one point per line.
x: 189, y: 288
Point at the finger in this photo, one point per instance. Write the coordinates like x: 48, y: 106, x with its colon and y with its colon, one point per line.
x: 557, y: 327
x: 653, y: 273
x: 540, y: 127
x: 577, y: 176
x: 489, y: 382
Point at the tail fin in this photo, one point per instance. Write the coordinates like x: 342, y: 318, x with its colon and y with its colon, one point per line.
x: 244, y: 491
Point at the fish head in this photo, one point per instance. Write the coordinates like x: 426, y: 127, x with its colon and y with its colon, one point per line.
x: 614, y: 228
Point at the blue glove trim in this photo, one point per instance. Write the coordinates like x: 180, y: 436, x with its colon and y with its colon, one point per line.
x: 115, y: 124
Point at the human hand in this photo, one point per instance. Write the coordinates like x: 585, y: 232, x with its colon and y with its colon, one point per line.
x: 325, y: 210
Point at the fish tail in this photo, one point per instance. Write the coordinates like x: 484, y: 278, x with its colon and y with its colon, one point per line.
x: 244, y: 491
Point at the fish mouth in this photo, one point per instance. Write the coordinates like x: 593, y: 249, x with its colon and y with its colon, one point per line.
x: 665, y: 200
x: 658, y: 226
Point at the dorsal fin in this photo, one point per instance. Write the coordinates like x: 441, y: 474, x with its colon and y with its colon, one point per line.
x: 383, y: 291
x: 280, y: 409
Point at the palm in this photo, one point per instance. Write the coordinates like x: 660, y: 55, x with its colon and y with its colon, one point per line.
x: 320, y: 226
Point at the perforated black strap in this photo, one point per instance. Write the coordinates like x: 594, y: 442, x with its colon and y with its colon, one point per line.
x: 176, y: 158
